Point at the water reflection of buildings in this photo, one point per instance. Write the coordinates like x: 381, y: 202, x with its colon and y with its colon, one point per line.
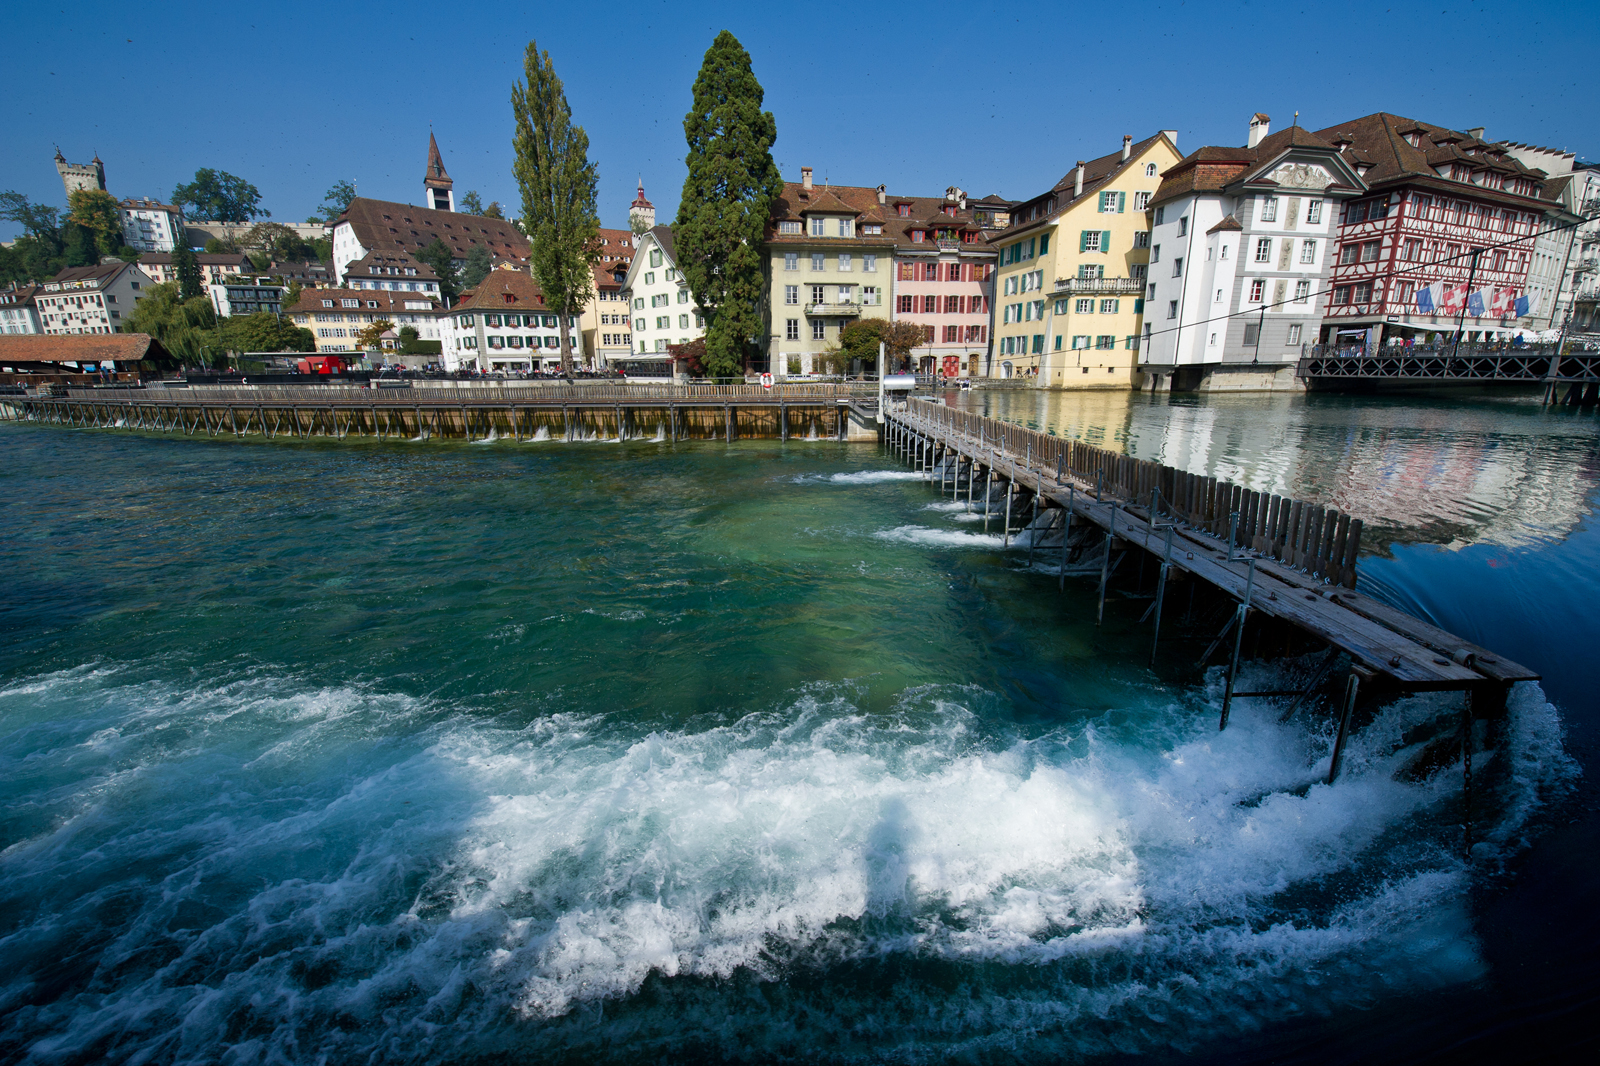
x: 1427, y: 470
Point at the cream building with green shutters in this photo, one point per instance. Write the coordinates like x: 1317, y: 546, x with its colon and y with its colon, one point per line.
x: 1073, y: 265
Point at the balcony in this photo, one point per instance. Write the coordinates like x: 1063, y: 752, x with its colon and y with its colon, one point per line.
x: 833, y: 310
x: 1098, y: 287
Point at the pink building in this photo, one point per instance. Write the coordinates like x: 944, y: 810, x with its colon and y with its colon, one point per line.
x: 943, y: 280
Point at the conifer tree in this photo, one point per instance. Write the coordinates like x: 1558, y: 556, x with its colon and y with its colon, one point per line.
x: 558, y: 193
x: 727, y: 196
x: 187, y: 267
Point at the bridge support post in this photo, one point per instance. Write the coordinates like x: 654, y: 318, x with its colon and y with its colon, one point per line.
x: 1066, y: 535
x: 1351, y: 688
x: 1011, y: 491
x: 1238, y: 645
x: 1161, y: 594
x: 1105, y: 565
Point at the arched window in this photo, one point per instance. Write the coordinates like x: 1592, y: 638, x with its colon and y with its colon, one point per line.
x: 1149, y: 170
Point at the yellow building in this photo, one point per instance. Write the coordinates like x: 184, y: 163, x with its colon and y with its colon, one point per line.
x: 1069, y: 295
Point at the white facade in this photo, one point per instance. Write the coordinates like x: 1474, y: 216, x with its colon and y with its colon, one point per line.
x: 346, y: 249
x: 664, y: 312
x: 489, y: 341
x: 1237, y: 275
x: 17, y: 311
x: 1564, y: 261
x: 150, y: 226
x: 90, y: 299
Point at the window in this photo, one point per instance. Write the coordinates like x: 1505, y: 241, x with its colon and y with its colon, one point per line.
x: 1223, y: 253
x: 791, y: 260
x: 1218, y: 297
x: 1172, y: 308
x: 904, y: 304
x: 1302, y: 291
x: 791, y: 329
x: 1084, y: 307
x: 816, y: 227
x: 1314, y: 211
x: 869, y: 263
x: 1263, y: 249
x: 1112, y: 203
x: 1308, y: 251
x: 350, y: 303
x: 952, y: 305
x: 1149, y: 170
x: 819, y: 330
x: 1177, y: 266
x: 1252, y: 334
x: 1141, y: 200
x: 791, y: 294
x: 1370, y: 251
x: 903, y: 210
x: 1183, y: 225
x: 845, y: 262
x: 1363, y: 293
x: 817, y: 296
x: 683, y: 321
x: 1110, y: 307
x: 873, y: 229
x: 1161, y: 214
x: 1155, y: 254
x: 1105, y: 342
x: 847, y: 227
x: 663, y: 322
x: 1341, y: 294
x: 655, y: 257
x: 1090, y: 271
x: 639, y: 323
x: 1141, y: 239
x: 1038, y: 344
x: 930, y: 305
x: 847, y: 294
x: 1349, y: 253
x: 1080, y: 341
x: 1090, y: 241
x: 1213, y: 341
x: 683, y: 296
x: 817, y: 262
x: 1257, y: 288
x: 1294, y: 334
x: 1269, y: 209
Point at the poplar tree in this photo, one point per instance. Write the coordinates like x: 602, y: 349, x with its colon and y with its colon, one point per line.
x: 727, y: 197
x: 558, y: 193
x: 187, y: 267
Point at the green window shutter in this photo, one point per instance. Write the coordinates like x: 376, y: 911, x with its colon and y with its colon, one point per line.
x: 1122, y: 203
x: 1105, y: 242
x: 1083, y: 241
x: 1044, y: 244
x: 1138, y: 306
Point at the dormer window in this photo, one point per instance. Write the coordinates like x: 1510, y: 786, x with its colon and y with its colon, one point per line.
x: 510, y: 298
x: 950, y: 209
x: 790, y: 227
x: 816, y: 227
x: 903, y: 210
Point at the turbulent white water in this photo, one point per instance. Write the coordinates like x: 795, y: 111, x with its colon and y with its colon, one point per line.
x: 305, y: 873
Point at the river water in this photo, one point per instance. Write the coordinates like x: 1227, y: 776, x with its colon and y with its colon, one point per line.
x: 359, y: 752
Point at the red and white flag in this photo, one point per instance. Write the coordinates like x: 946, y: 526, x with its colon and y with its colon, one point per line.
x: 1454, y: 300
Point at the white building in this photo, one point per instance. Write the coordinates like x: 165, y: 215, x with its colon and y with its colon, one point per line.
x: 90, y: 299
x: 18, y: 314
x: 151, y: 226
x: 214, y: 268
x: 504, y: 325
x: 336, y: 317
x: 246, y: 296
x: 392, y: 272
x: 1240, y: 254
x: 664, y: 311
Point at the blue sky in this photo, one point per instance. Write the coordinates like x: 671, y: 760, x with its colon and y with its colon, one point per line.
x: 993, y: 98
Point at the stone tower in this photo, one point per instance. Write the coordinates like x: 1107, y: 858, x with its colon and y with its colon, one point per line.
x: 436, y: 184
x: 74, y: 176
x: 641, y: 215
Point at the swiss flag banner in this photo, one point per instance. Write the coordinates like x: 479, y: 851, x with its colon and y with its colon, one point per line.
x: 1504, y: 301
x: 1455, y: 299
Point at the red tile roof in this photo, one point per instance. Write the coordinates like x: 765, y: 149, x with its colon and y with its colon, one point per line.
x: 381, y: 225
x: 501, y: 290
x: 80, y: 348
x: 388, y: 301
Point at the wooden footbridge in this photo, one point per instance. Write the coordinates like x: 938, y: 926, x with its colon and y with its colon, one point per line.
x: 1283, y: 570
x: 537, y: 411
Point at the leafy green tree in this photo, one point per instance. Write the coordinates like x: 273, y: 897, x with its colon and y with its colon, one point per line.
x: 477, y: 267
x: 36, y: 220
x: 187, y: 267
x: 321, y: 250
x: 184, y: 327
x: 371, y: 335
x: 860, y: 340
x: 471, y: 204
x: 494, y: 210
x: 221, y: 246
x: 221, y: 197
x: 558, y: 193
x: 335, y: 202
x: 292, y: 297
x: 264, y: 332
x: 438, y: 256
x: 727, y: 197
x: 97, y: 211
x: 82, y: 248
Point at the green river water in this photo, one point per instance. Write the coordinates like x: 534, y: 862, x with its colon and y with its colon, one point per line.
x: 455, y: 752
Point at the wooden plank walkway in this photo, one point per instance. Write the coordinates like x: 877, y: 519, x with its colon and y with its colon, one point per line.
x: 1317, y: 595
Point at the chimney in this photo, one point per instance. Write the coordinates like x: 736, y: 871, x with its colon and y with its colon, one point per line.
x: 805, y: 178
x: 1476, y: 131
x: 1077, y: 183
x: 883, y: 194
x: 1260, y: 126
x: 1171, y: 135
x: 1127, y: 146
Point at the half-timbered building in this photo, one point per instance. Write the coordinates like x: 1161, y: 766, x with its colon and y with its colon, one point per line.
x: 1444, y: 207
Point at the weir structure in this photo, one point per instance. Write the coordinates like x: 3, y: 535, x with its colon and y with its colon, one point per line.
x: 1278, y: 574
x: 536, y: 412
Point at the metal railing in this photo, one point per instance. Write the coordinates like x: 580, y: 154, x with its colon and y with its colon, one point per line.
x: 600, y: 395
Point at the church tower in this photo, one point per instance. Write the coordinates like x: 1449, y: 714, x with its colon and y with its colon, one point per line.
x: 74, y: 176
x: 436, y: 184
x: 641, y: 215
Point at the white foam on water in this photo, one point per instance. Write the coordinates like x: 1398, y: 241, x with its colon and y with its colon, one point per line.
x: 540, y: 434
x: 494, y: 435
x: 302, y: 872
x: 941, y: 538
x: 874, y: 477
x: 946, y: 505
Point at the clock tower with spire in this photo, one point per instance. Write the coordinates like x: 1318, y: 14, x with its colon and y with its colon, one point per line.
x: 436, y: 184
